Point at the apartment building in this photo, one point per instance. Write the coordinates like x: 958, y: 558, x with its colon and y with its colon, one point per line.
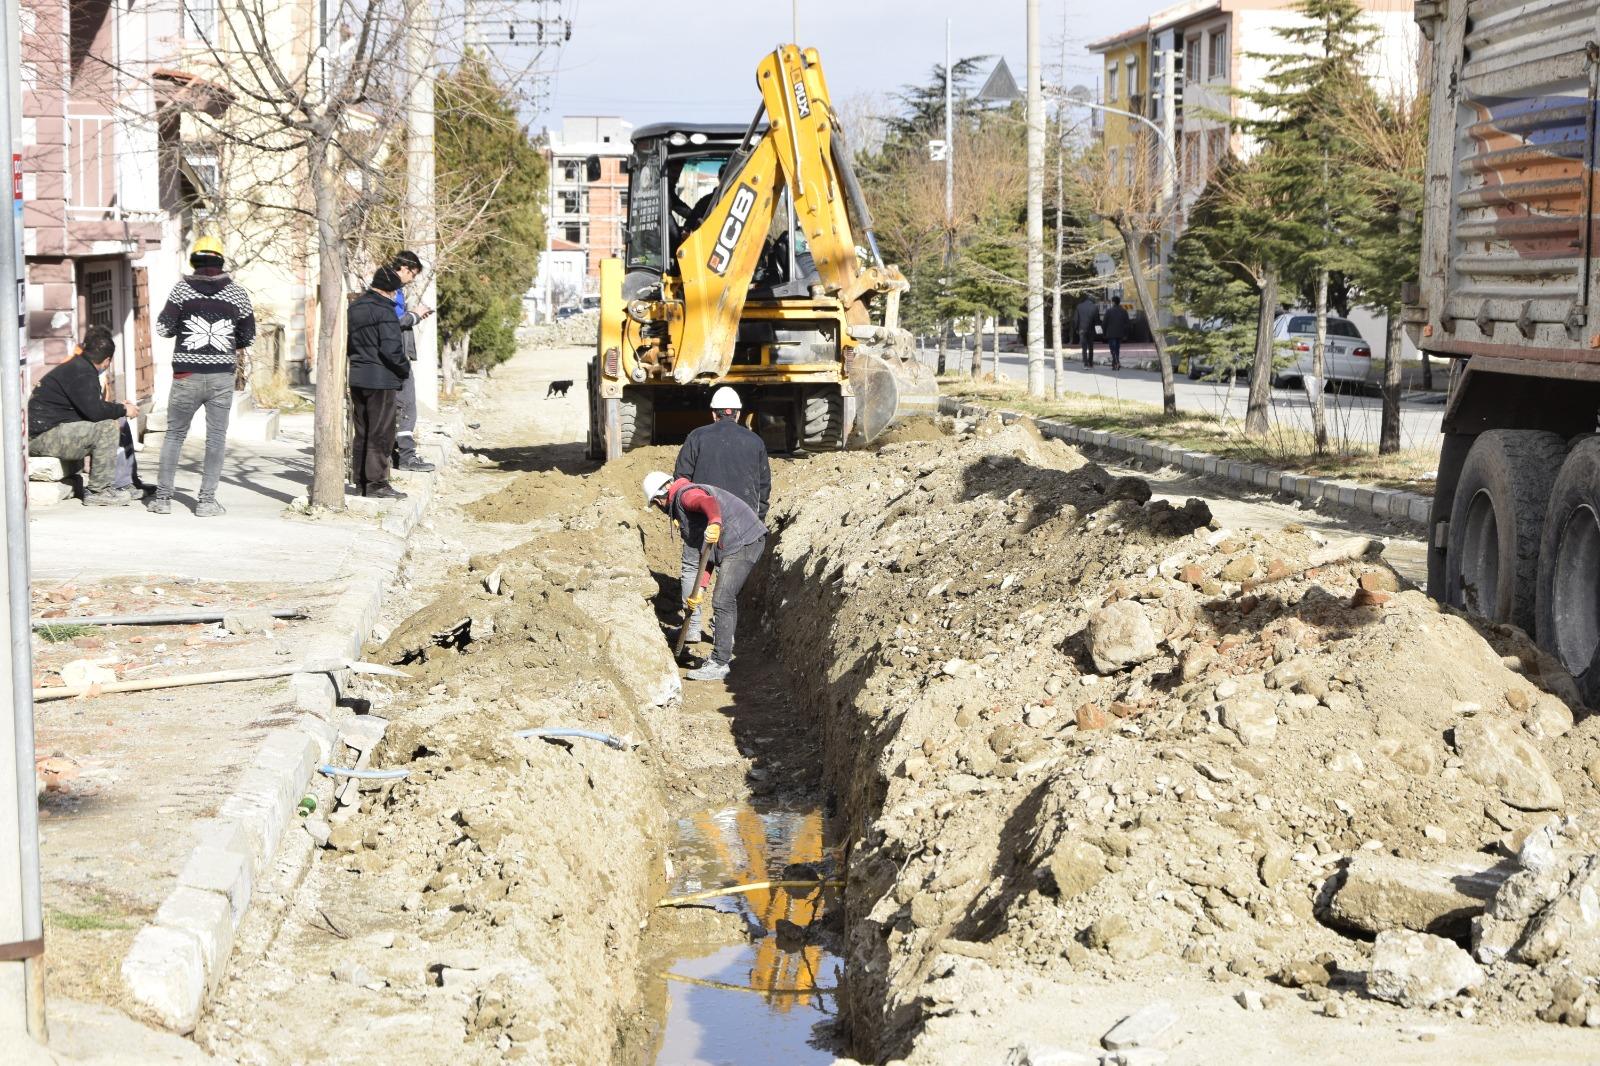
x: 1126, y: 89
x: 584, y: 214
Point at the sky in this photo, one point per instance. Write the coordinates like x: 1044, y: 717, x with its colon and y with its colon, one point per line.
x: 654, y: 60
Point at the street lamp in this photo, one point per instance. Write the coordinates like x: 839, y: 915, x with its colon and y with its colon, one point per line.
x: 1082, y: 97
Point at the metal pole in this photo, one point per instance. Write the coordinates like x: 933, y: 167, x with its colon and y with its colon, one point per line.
x: 1035, y: 209
x: 949, y: 172
x: 21, y: 913
x: 1169, y: 119
x: 421, y: 222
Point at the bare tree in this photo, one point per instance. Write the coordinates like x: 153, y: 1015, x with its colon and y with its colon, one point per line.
x: 1131, y: 201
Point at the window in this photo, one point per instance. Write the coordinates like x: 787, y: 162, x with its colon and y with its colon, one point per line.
x: 1132, y: 155
x: 1217, y: 68
x: 200, y: 19
x: 1111, y: 162
x: 572, y: 233
x: 1216, y: 148
x: 1133, y: 78
x: 1191, y: 58
x: 1111, y: 84
x: 1191, y: 161
x: 572, y: 203
x: 571, y: 170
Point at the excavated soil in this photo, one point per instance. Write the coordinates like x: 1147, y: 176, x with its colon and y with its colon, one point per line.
x: 1072, y: 750
x: 1273, y: 707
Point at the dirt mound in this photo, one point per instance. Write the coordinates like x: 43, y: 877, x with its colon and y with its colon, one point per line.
x: 493, y: 843
x: 580, y: 329
x: 1077, y: 731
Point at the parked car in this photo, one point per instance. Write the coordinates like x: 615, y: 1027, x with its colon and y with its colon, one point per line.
x: 566, y: 312
x: 1347, y: 357
x: 589, y: 303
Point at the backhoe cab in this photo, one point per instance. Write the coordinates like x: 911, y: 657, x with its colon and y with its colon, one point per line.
x: 742, y: 269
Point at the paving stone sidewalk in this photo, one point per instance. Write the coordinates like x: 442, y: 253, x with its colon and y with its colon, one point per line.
x: 161, y: 810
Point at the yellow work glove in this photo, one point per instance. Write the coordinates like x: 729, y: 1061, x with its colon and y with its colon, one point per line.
x: 713, y: 533
x: 675, y: 531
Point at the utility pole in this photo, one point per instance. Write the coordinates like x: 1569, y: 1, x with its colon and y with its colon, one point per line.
x: 949, y: 179
x: 21, y: 913
x: 1057, y: 385
x: 421, y: 223
x: 1035, y: 209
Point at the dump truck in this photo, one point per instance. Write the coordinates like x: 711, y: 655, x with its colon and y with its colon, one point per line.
x: 1509, y: 293
x: 742, y: 268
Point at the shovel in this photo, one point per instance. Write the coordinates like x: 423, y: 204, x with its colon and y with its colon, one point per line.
x: 216, y: 677
x: 693, y: 602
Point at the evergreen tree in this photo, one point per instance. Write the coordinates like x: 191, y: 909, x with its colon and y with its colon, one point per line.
x: 1220, y: 307
x: 485, y: 157
x: 1304, y: 167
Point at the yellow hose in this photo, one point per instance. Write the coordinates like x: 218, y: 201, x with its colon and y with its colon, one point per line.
x: 754, y: 886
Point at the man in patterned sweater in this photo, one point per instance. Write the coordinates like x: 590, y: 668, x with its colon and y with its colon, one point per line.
x: 210, y: 317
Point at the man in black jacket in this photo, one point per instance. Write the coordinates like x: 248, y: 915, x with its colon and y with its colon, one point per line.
x: 378, y: 368
x: 69, y: 417
x: 1116, y: 327
x: 728, y: 456
x: 1088, y: 316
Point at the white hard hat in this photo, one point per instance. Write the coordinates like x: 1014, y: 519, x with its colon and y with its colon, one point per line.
x: 724, y: 398
x: 655, y: 484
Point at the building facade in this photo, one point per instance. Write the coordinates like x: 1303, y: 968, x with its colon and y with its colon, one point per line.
x: 589, y: 214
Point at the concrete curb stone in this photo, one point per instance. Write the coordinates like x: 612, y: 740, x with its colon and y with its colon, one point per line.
x: 1388, y: 504
x: 177, y: 959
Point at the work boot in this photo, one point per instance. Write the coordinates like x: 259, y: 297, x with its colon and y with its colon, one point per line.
x: 419, y: 465
x: 693, y: 636
x: 710, y: 670
x: 209, y: 509
x: 384, y: 492
x: 158, y: 505
x: 107, y: 498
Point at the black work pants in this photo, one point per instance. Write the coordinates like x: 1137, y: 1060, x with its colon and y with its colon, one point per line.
x: 1115, y: 344
x: 1086, y: 345
x: 372, y: 411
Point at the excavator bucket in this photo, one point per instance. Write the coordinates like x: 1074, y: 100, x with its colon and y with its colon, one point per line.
x: 890, y: 387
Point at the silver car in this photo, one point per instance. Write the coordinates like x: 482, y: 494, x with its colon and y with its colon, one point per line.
x: 1346, y: 358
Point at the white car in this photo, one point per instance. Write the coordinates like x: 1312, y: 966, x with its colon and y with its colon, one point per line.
x: 1345, y: 358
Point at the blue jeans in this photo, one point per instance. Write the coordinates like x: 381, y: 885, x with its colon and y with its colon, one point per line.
x: 214, y: 392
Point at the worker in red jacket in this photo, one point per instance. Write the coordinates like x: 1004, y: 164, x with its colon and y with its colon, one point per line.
x: 702, y: 515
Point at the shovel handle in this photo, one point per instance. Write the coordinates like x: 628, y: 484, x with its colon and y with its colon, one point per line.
x: 689, y: 603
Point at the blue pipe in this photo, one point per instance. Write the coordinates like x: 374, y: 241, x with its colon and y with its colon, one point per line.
x: 554, y: 734
x: 365, y: 775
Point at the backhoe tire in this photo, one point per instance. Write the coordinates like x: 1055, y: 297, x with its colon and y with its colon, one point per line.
x: 824, y: 422
x: 1497, y: 521
x: 638, y: 417
x: 1569, y: 570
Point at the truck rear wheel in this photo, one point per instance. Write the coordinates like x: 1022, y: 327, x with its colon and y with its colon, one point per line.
x: 638, y: 416
x: 824, y: 422
x: 1496, y: 522
x: 1569, y: 570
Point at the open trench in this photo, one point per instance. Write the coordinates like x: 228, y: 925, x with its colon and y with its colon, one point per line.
x: 1033, y: 843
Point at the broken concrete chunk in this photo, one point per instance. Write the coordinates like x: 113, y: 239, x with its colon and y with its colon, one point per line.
x: 1569, y: 925
x: 1499, y: 756
x: 1382, y: 892
x: 1548, y: 718
x: 247, y: 623
x: 1419, y: 969
x: 1074, y: 868
x: 1143, y: 1028
x: 1251, y: 721
x: 1119, y: 636
x: 1042, y: 1054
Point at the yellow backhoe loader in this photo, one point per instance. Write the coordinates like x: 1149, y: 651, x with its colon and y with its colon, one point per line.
x: 742, y: 269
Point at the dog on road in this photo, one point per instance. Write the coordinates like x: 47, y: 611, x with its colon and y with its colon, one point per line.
x: 558, y: 388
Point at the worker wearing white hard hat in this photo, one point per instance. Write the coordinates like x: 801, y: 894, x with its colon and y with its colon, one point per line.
x: 717, y: 525
x: 727, y: 455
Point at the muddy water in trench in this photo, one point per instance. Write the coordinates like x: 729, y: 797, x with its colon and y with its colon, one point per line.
x: 769, y: 996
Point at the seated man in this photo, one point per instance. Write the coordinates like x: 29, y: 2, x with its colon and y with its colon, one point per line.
x: 69, y: 418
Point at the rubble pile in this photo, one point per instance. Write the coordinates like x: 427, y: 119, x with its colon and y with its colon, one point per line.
x: 576, y: 331
x: 1085, y: 734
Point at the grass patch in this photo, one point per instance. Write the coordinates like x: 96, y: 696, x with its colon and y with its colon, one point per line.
x: 53, y: 633
x: 1281, y: 447
x: 84, y: 923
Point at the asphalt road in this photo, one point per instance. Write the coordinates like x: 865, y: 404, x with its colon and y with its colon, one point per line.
x: 1351, y: 417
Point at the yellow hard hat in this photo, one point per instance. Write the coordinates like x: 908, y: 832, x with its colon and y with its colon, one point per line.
x: 207, y: 246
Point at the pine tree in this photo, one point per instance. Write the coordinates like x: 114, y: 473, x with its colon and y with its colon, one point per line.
x: 1306, y: 157
x: 485, y: 156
